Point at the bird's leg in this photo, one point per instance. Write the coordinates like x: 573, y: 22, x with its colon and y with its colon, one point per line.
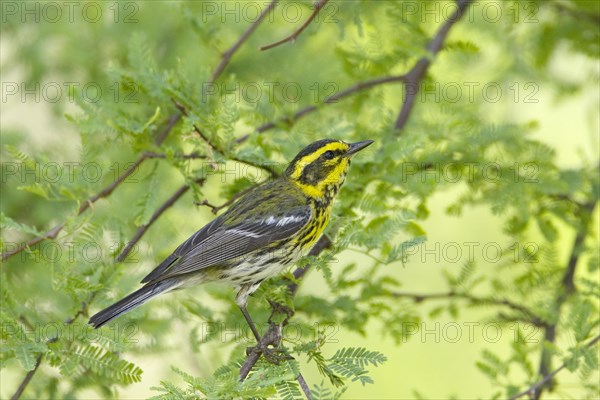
x: 242, y: 299
x: 250, y: 322
x: 262, y: 343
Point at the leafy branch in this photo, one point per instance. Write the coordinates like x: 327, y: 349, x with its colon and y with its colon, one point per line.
x: 566, y: 289
x: 217, y: 149
x: 537, y: 387
x: 358, y: 87
x: 171, y: 122
x: 107, y: 191
x: 121, y: 256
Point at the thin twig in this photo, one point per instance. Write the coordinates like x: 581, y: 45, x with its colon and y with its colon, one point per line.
x: 159, y: 211
x: 171, y: 122
x: 189, y: 156
x: 419, y: 297
x: 329, y: 100
x: 291, y: 38
x: 27, y: 378
x: 304, y: 387
x: 216, y: 209
x: 185, y: 112
x: 19, y: 392
x: 226, y: 56
x: 51, y: 234
x: 418, y: 71
x: 533, y: 389
x: 267, y: 167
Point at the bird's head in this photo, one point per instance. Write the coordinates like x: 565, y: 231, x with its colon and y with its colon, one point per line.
x: 320, y: 168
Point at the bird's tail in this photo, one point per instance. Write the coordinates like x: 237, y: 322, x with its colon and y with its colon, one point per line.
x: 130, y: 302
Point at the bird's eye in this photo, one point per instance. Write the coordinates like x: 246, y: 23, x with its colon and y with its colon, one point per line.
x: 328, y: 155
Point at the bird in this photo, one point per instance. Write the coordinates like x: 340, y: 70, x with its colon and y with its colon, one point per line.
x: 263, y: 232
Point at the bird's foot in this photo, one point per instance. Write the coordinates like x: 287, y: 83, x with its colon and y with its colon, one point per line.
x: 279, y: 308
x: 272, y: 354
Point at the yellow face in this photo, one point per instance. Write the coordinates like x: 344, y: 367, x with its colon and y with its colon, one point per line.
x: 322, y: 166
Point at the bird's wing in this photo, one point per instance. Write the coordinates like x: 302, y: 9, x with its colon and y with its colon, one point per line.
x: 216, y: 244
x: 194, y: 240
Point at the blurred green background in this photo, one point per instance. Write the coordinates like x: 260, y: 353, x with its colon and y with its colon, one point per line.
x: 542, y: 55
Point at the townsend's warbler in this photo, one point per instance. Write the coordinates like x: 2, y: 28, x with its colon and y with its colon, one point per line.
x: 266, y: 230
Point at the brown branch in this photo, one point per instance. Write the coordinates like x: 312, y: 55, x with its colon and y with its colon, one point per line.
x: 26, y: 380
x: 291, y: 38
x: 216, y: 209
x: 567, y: 289
x: 329, y: 100
x: 304, y: 387
x: 226, y: 56
x: 419, y: 297
x: 107, y: 191
x: 418, y: 71
x: 533, y: 389
x: 19, y: 392
x: 190, y: 156
x: 159, y: 211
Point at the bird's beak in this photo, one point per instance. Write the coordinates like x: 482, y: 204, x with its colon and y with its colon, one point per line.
x: 356, y: 147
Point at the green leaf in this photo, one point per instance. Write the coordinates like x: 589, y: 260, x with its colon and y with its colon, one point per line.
x: 28, y: 353
x: 9, y: 223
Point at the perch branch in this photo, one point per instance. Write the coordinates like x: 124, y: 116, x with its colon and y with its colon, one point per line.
x: 273, y: 334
